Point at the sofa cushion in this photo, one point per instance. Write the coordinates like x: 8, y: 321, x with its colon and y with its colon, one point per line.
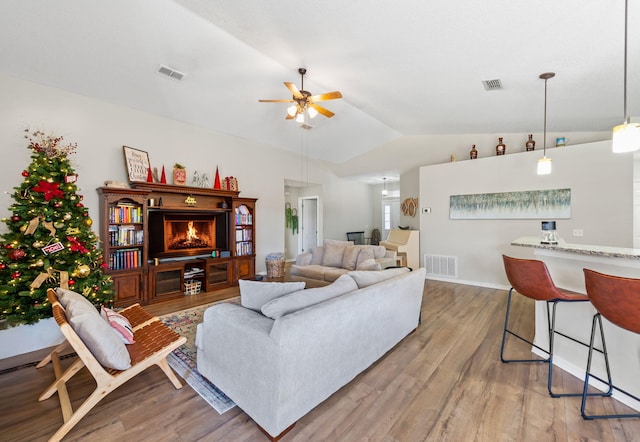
x: 370, y: 265
x: 312, y: 271
x: 350, y: 257
x: 254, y: 294
x: 305, y: 298
x: 102, y: 341
x: 337, y: 242
x: 366, y: 253
x: 365, y: 279
x: 333, y: 254
x: 379, y: 252
x: 317, y: 253
x: 331, y: 274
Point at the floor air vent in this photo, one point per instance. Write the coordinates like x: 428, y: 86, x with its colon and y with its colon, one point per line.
x: 492, y: 85
x: 437, y: 265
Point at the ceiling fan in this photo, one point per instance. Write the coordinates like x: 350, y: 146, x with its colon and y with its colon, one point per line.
x: 305, y: 103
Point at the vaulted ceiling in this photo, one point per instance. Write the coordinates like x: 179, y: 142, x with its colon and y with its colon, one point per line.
x: 404, y: 68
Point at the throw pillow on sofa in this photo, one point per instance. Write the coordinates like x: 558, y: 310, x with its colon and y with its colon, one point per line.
x: 333, y: 254
x: 365, y: 279
x: 254, y: 294
x: 350, y: 257
x: 305, y: 298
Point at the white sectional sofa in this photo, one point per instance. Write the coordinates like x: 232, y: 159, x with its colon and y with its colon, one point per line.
x: 309, y: 343
x: 334, y: 258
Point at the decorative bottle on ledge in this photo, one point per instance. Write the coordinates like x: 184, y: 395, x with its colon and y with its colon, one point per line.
x: 500, y: 148
x: 530, y: 144
x: 473, y: 153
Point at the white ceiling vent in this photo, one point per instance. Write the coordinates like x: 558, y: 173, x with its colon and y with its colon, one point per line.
x: 492, y: 85
x: 171, y: 73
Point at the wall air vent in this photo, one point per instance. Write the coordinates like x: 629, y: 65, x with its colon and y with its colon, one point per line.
x: 492, y: 85
x: 446, y: 266
x: 171, y: 73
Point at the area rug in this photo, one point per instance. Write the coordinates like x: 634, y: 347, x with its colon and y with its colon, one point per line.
x: 183, y: 359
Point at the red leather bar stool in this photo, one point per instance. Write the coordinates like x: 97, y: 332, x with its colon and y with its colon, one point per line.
x: 531, y: 278
x: 617, y: 299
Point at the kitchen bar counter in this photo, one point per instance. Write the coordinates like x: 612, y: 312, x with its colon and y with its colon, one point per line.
x: 582, y: 249
x: 566, y: 263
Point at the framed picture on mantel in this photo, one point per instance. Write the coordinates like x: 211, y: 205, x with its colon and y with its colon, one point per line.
x: 137, y: 162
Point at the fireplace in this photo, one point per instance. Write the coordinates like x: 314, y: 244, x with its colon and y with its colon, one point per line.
x: 175, y: 234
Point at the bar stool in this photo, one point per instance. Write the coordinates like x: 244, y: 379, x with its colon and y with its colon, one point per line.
x: 617, y: 299
x: 531, y: 278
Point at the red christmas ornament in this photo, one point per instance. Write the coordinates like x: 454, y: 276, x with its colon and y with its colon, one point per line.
x: 8, y: 246
x: 57, y: 205
x: 216, y: 183
x: 25, y: 173
x: 72, y: 282
x: 16, y: 275
x: 15, y: 218
x: 79, y: 205
x: 163, y: 177
x: 17, y: 254
x: 50, y: 190
x: 2, y: 265
x: 149, y: 175
x: 77, y: 246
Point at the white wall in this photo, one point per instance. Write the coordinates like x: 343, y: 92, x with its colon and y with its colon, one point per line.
x: 602, y: 205
x: 101, y: 129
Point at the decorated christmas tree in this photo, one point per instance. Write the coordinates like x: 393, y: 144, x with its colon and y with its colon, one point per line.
x: 49, y: 242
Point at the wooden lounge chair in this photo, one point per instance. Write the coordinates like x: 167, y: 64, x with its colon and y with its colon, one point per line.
x: 154, y: 342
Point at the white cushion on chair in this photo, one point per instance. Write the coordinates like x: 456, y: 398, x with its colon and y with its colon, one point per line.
x: 102, y: 341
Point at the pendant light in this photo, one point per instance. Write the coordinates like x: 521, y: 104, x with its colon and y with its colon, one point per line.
x: 384, y: 192
x: 544, y: 163
x: 626, y: 136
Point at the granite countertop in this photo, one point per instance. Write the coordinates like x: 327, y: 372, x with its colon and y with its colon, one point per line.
x: 584, y: 249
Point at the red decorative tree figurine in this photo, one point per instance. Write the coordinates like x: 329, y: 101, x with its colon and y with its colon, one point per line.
x: 216, y: 183
x: 163, y: 177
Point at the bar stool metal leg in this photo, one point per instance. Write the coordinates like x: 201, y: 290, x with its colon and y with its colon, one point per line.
x: 597, y: 321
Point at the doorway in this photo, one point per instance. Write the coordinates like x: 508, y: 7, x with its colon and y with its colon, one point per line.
x: 309, y: 222
x: 390, y: 215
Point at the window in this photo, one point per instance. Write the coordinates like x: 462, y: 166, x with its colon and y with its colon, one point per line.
x: 387, y: 217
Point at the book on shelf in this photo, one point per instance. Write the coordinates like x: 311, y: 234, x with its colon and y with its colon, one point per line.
x: 125, y: 213
x: 125, y: 235
x: 244, y: 248
x: 125, y: 259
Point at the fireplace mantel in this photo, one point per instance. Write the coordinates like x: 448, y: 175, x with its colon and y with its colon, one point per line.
x: 185, y: 190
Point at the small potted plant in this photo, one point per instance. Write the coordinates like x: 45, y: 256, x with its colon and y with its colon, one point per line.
x: 179, y: 175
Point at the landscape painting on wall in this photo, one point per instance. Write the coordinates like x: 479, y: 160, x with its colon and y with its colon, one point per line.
x: 531, y: 204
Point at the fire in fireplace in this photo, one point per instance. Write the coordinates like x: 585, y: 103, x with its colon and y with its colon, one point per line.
x: 173, y: 234
x: 189, y: 235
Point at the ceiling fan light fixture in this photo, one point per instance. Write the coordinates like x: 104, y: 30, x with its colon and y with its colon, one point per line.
x: 312, y: 112
x: 300, y: 117
x: 292, y: 110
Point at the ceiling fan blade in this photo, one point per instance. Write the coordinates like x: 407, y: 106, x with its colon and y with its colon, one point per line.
x: 288, y: 117
x: 275, y: 101
x: 321, y: 110
x: 294, y: 90
x: 327, y: 96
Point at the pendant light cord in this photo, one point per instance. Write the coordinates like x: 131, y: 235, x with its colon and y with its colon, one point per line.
x: 544, y: 139
x: 626, y: 19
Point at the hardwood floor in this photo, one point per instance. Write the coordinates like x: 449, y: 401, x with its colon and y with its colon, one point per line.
x: 444, y: 382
